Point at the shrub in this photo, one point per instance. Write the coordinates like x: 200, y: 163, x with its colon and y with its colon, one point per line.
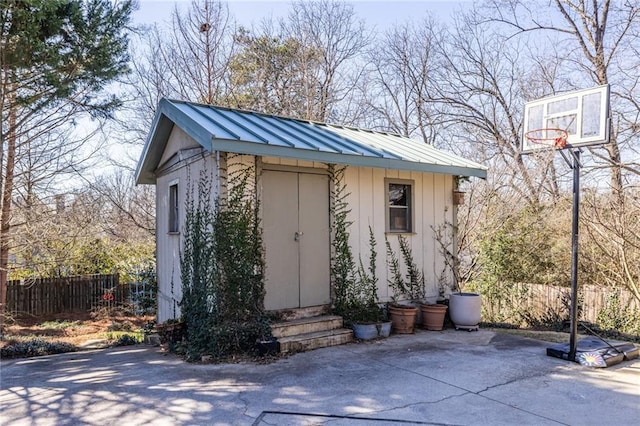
x: 128, y: 339
x: 222, y: 268
x: 35, y: 347
x: 233, y: 338
x: 615, y: 316
x: 59, y: 325
x: 355, y: 288
x: 120, y: 326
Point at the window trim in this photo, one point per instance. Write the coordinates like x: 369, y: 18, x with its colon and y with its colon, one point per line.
x: 411, y: 205
x: 173, y: 226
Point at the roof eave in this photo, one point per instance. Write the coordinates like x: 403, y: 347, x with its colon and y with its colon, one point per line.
x: 166, y: 117
x: 172, y: 113
x: 241, y: 147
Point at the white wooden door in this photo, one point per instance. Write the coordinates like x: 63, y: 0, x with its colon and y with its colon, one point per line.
x: 295, y: 226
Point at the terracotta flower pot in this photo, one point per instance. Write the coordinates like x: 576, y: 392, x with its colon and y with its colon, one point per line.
x: 433, y: 316
x: 403, y: 318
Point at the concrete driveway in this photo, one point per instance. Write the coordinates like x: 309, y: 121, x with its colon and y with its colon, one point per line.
x: 449, y: 377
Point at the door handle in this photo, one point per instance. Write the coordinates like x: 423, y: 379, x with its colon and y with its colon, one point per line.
x: 298, y: 235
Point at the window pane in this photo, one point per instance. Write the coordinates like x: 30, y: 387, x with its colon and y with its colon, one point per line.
x: 398, y: 195
x: 173, y: 208
x: 398, y: 219
x: 399, y: 206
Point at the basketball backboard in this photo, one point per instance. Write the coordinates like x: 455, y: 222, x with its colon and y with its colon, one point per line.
x: 583, y: 114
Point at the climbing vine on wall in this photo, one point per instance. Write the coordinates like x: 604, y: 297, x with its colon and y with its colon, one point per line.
x: 354, y: 285
x: 222, y: 267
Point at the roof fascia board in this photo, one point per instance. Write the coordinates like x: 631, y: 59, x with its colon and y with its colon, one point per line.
x: 241, y: 147
x: 150, y: 154
x: 166, y: 117
x: 188, y: 125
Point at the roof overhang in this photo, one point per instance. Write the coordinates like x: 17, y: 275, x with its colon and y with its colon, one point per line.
x: 227, y: 130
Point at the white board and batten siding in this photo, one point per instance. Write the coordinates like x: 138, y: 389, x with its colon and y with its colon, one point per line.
x: 432, y: 208
x: 169, y: 243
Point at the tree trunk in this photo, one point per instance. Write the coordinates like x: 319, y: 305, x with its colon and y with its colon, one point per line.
x: 5, y: 213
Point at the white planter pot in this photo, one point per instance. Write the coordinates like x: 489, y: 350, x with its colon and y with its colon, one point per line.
x: 384, y: 329
x: 465, y: 310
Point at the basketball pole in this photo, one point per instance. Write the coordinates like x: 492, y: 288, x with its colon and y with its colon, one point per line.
x: 574, y: 254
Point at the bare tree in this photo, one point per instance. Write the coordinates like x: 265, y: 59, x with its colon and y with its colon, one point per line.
x: 478, y: 92
x: 332, y: 29
x: 599, y: 40
x: 404, y: 63
x: 80, y: 232
x: 189, y: 61
x: 611, y: 253
x: 132, y: 208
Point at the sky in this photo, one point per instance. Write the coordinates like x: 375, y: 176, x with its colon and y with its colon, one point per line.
x: 379, y: 13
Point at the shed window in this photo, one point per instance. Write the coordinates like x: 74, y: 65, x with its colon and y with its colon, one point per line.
x: 399, y: 206
x: 173, y: 208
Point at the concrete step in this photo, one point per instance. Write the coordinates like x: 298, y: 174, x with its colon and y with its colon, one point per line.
x: 306, y: 325
x: 315, y: 340
x: 298, y: 313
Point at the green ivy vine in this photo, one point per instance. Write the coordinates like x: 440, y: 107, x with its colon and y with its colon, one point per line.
x: 222, y: 268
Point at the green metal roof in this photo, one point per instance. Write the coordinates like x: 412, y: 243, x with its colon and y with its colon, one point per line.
x: 244, y: 132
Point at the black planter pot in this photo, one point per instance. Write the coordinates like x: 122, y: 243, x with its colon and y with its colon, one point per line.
x: 268, y: 347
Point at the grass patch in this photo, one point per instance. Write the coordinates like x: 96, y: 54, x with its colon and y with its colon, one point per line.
x: 59, y: 325
x: 125, y: 338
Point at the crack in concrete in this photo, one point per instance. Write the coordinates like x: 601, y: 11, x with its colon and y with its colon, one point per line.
x: 245, y: 402
x: 509, y: 382
x: 468, y: 391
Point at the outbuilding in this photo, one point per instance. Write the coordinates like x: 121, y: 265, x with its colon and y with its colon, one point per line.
x: 396, y: 186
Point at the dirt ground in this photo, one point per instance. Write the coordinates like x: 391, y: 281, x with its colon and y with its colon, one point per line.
x: 74, y: 328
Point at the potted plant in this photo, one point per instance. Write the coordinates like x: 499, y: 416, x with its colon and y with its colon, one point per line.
x: 434, y: 311
x: 367, y: 321
x: 266, y: 344
x: 465, y: 310
x: 464, y: 307
x: 356, y: 287
x: 407, y: 294
x: 433, y: 316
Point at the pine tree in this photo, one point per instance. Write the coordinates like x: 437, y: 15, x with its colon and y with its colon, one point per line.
x: 56, y: 57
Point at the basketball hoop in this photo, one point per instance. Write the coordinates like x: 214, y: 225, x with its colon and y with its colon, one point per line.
x: 556, y: 138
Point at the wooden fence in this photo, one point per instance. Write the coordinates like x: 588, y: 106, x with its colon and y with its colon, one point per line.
x: 45, y: 296
x: 539, y: 299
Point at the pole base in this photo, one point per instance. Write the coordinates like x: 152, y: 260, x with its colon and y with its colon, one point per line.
x: 592, y: 351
